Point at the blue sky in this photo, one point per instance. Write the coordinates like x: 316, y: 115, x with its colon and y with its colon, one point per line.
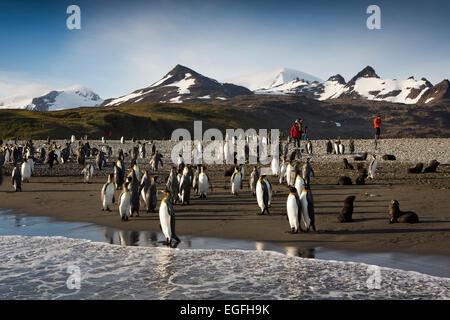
x: 126, y: 45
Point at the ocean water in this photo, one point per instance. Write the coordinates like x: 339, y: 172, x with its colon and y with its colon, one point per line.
x: 37, y: 262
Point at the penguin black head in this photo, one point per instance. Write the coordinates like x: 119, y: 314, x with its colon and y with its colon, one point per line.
x: 292, y: 189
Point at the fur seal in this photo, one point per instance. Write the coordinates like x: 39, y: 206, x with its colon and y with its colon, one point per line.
x: 432, y: 166
x: 362, y: 158
x: 389, y: 157
x: 395, y: 215
x: 344, y: 181
x: 347, y: 211
x: 347, y: 165
x: 417, y: 169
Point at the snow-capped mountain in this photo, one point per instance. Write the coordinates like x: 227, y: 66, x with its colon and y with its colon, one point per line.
x: 180, y: 85
x: 365, y: 85
x: 282, y: 80
x: 71, y: 97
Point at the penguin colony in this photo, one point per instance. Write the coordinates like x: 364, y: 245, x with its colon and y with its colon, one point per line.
x: 135, y: 185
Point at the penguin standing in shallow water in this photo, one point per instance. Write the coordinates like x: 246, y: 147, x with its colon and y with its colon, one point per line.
x: 108, y: 194
x: 167, y: 219
x: 125, y: 203
x: 16, y: 178
x: 293, y: 207
x: 262, y: 195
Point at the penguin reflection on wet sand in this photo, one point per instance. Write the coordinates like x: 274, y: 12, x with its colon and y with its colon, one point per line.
x: 167, y: 219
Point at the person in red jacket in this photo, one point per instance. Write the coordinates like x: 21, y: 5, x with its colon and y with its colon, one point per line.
x: 377, y: 125
x: 296, y: 132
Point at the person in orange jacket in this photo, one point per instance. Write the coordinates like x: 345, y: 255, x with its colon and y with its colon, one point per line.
x: 296, y: 132
x: 377, y: 125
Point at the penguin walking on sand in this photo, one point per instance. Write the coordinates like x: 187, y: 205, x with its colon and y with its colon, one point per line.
x: 137, y: 171
x: 151, y: 196
x: 172, y: 182
x: 262, y: 195
x: 307, y: 170
x: 119, y: 174
x: 26, y: 171
x: 167, y: 219
x: 107, y: 194
x: 88, y: 173
x: 351, y: 146
x: 293, y: 207
x: 269, y: 190
x: 373, y: 167
x: 335, y: 147
x: 134, y: 195
x: 100, y: 160
x: 309, y: 147
x: 184, y: 192
x: 122, y: 140
x: 236, y: 180
x: 254, y: 177
x: 289, y: 174
x: 275, y: 165
x: 341, y: 147
x: 125, y: 203
x: 305, y: 212
x: 203, y: 183
x: 16, y: 178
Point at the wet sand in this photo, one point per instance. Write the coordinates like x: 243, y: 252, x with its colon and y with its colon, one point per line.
x: 225, y: 216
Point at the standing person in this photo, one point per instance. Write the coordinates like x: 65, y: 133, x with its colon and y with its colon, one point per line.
x: 296, y: 132
x: 305, y: 133
x: 377, y: 126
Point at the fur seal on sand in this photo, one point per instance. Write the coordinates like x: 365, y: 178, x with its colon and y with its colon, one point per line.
x: 395, y: 215
x: 389, y: 157
x: 362, y: 158
x: 347, y: 211
x: 417, y: 169
x: 432, y: 166
x: 347, y: 165
x: 362, y: 174
x: 344, y: 181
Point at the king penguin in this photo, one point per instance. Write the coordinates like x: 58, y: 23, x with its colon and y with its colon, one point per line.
x: 289, y: 174
x: 283, y: 170
x: 275, y: 165
x: 293, y: 206
x: 26, y: 171
x: 119, y: 173
x: 236, y: 180
x: 373, y: 167
x: 125, y: 203
x: 305, y: 213
x: 16, y: 178
x: 108, y: 194
x: 88, y: 172
x: 167, y: 219
x: 254, y: 177
x: 262, y: 195
x: 203, y: 183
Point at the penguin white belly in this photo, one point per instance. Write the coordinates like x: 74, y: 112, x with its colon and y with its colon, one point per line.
x: 292, y: 212
x: 260, y: 195
x: 164, y: 220
x: 125, y: 205
x: 236, y: 184
x: 275, y: 166
x: 304, y: 203
x: 108, y: 196
x: 203, y: 184
x: 299, y: 185
x: 143, y: 196
x: 373, y: 168
x: 26, y: 171
x: 289, y: 175
x: 282, y: 173
x: 336, y: 148
x: 341, y: 149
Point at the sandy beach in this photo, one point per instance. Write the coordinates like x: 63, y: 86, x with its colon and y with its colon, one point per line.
x: 64, y: 196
